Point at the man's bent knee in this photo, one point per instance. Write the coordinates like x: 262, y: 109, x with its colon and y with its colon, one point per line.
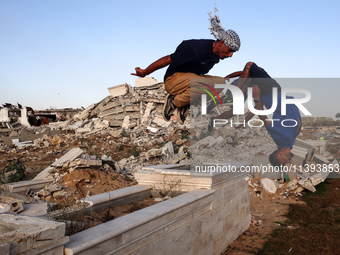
x: 179, y: 102
x: 248, y: 65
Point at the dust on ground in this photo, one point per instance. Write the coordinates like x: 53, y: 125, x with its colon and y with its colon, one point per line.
x: 89, y: 182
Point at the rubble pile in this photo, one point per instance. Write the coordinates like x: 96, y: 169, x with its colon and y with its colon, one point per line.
x: 133, y: 107
x: 226, y: 143
x: 285, y: 186
x: 276, y: 188
x: 52, y: 190
x: 130, y: 120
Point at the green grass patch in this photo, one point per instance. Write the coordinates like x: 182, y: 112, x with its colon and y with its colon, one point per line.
x: 315, y: 225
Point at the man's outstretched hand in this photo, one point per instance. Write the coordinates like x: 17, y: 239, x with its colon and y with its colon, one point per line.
x: 139, y: 72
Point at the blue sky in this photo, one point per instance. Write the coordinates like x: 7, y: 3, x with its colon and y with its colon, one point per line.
x: 67, y: 53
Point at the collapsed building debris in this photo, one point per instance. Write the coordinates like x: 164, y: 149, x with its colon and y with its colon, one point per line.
x: 12, y: 116
x: 131, y: 117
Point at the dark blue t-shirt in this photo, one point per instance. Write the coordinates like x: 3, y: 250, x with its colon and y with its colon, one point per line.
x: 192, y: 56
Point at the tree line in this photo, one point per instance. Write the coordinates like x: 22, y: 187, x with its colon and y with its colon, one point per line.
x: 321, y: 121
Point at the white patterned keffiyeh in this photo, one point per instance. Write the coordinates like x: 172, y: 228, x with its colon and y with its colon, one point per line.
x: 230, y: 37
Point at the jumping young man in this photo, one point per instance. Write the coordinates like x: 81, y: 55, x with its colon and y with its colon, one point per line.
x: 191, y: 62
x: 285, y: 128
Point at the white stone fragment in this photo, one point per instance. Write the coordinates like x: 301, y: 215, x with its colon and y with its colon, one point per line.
x: 126, y: 122
x: 152, y: 129
x: 268, y: 185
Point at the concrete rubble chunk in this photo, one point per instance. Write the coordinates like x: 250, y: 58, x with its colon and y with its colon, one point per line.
x: 76, y: 125
x: 126, y: 122
x: 43, y: 193
x: 83, y: 130
x: 4, y: 208
x: 159, y: 121
x: 118, y: 90
x: 33, y: 235
x: 53, y: 188
x: 268, y: 185
x: 100, y: 123
x: 16, y: 206
x: 145, y: 81
x: 300, y: 154
x: 316, y: 181
x: 146, y: 116
x: 106, y: 158
x: 205, y: 141
x: 307, y: 184
x: 178, y: 157
x: 84, y: 114
x: 116, y: 133
x: 69, y: 156
x: 152, y: 129
x: 226, y: 131
x: 299, y: 189
x: 59, y: 194
x: 85, y: 163
x: 292, y: 185
x: 168, y: 148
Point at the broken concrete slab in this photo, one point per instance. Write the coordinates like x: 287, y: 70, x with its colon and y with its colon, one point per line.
x: 306, y: 145
x: 76, y: 125
x: 39, y: 209
x: 118, y: 90
x: 83, y: 130
x: 43, y: 193
x: 84, y: 114
x: 307, y: 184
x: 23, y: 186
x: 145, y: 81
x: 69, y: 156
x: 85, y: 163
x: 159, y: 121
x: 300, y: 155
x: 18, y: 144
x: 31, y: 235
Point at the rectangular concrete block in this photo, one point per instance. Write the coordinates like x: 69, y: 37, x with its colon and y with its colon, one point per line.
x: 197, y: 222
x: 69, y: 156
x: 23, y: 186
x: 31, y: 235
x: 141, y: 225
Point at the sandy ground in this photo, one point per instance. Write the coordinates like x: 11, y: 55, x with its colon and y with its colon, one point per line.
x: 267, y: 211
x: 90, y: 182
